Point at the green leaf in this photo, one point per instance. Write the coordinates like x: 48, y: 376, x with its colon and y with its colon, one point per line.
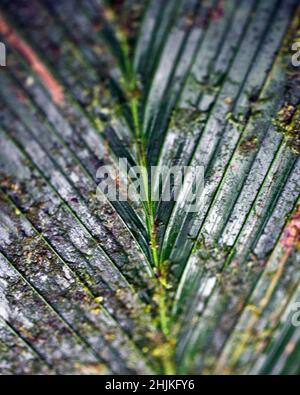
x: 93, y: 286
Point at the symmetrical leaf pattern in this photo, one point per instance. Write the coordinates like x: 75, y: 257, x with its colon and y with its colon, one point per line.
x: 92, y: 286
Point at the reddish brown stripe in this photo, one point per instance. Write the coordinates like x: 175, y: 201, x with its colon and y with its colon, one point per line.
x: 13, y: 38
x: 292, y: 232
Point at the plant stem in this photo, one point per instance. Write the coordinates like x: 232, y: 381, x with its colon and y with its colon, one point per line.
x: 163, y: 312
x: 168, y: 366
x: 142, y: 161
x: 131, y: 87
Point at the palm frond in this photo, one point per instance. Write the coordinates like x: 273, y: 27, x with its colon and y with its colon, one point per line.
x: 94, y: 286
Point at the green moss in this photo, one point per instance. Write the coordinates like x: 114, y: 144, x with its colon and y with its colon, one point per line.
x: 249, y: 144
x: 288, y: 123
x: 237, y: 122
x: 186, y: 119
